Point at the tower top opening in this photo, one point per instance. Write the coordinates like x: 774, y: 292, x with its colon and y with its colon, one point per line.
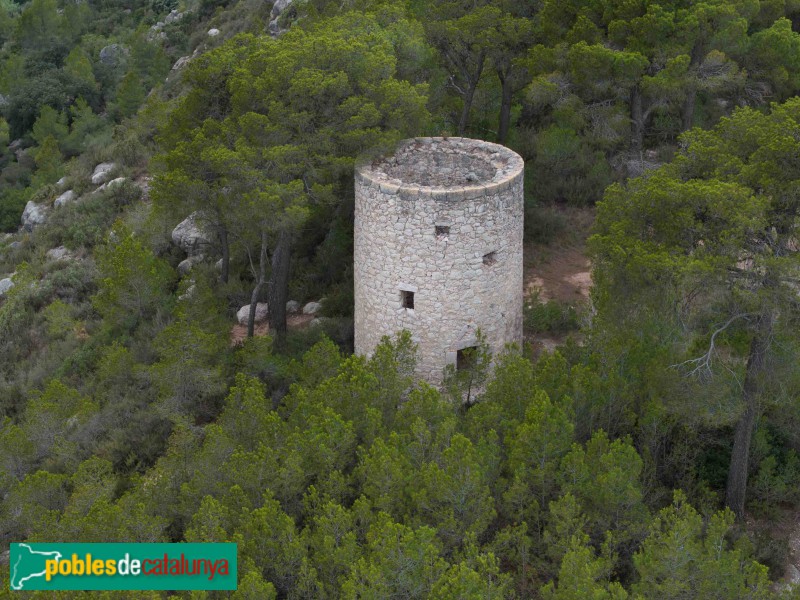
x: 444, y: 163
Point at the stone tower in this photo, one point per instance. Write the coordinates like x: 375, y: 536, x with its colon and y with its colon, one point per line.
x: 438, y: 249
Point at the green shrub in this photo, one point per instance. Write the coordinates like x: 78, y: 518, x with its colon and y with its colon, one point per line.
x: 543, y: 224
x: 550, y: 317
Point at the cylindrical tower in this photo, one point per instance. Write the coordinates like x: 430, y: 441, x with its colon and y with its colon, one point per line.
x: 438, y: 249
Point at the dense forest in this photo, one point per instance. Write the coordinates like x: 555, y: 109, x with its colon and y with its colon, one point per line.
x: 652, y: 455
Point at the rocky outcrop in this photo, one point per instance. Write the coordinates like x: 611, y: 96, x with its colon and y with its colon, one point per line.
x: 102, y: 172
x: 312, y: 308
x: 33, y: 216
x: 262, y: 313
x: 277, y: 10
x: 188, y: 264
x: 192, y: 236
x: 65, y: 198
x: 5, y: 285
x: 181, y: 62
x: 113, y: 55
x: 60, y: 253
x: 174, y: 16
x: 111, y: 184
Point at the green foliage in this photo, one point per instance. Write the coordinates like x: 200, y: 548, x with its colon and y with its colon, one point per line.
x: 682, y: 556
x: 549, y: 317
x: 134, y: 283
x: 130, y: 94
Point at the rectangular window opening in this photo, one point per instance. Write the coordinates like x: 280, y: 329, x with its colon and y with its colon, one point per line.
x: 466, y: 358
x: 407, y: 299
x: 490, y: 258
x: 442, y: 231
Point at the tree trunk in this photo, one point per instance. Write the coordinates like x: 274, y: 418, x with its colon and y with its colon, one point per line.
x: 226, y: 254
x: 687, y: 116
x: 469, y: 95
x: 256, y: 295
x: 279, y: 287
x: 505, y: 107
x: 637, y: 120
x: 736, y: 487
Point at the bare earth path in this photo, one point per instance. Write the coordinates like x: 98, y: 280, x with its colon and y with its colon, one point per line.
x: 560, y: 271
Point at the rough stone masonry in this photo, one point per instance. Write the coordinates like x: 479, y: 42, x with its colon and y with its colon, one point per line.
x: 438, y: 249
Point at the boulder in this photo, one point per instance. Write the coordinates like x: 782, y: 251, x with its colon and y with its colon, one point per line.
x: 188, y: 264
x: 187, y: 294
x: 15, y: 245
x: 292, y: 306
x: 102, y: 172
x: 111, y: 184
x: 181, y: 62
x: 312, y: 308
x: 243, y: 314
x: 113, y: 54
x: 174, y: 16
x: 60, y: 253
x: 61, y: 182
x: 5, y: 285
x: 213, y: 32
x: 278, y: 8
x: 191, y: 235
x: 33, y: 215
x: 65, y: 198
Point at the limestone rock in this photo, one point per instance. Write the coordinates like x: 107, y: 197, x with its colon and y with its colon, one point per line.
x: 113, y: 54
x: 64, y: 199
x: 191, y: 235
x: 292, y: 306
x: 174, y: 16
x: 188, y: 264
x: 312, y: 308
x: 111, y: 184
x: 792, y: 575
x: 5, y: 285
x: 279, y: 7
x: 188, y: 293
x: 181, y: 62
x: 102, y: 172
x: 60, y: 253
x: 33, y: 215
x: 213, y: 32
x: 243, y: 314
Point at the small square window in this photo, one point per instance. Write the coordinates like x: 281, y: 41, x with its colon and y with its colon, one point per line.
x: 466, y: 358
x: 406, y: 299
x: 490, y: 258
x: 442, y: 231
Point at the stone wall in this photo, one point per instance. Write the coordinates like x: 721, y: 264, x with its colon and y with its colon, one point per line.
x: 443, y: 220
